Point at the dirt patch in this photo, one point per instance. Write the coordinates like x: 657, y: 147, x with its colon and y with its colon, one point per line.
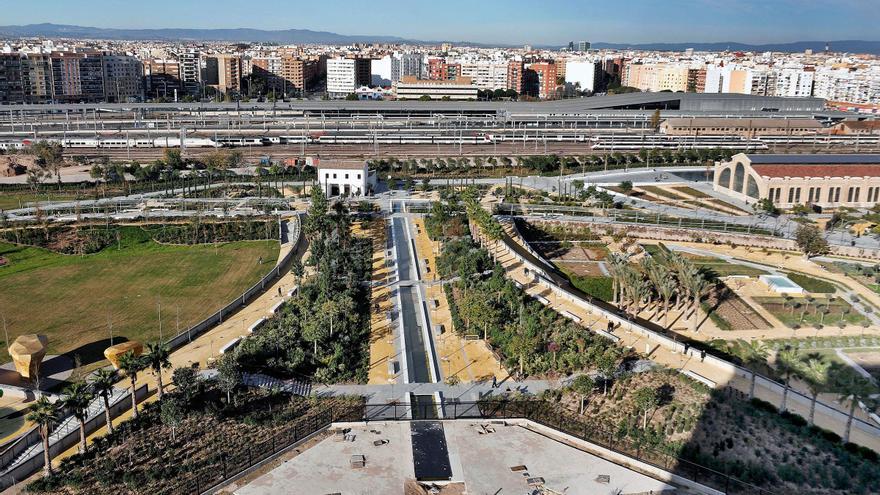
x: 583, y: 269
x: 736, y: 312
x: 869, y: 360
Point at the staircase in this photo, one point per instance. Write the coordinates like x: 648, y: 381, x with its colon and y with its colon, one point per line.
x: 294, y: 387
x: 69, y: 425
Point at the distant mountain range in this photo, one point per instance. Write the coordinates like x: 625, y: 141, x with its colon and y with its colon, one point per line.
x: 301, y: 36
x: 850, y: 46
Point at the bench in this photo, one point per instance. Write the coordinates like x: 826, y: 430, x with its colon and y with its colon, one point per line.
x: 257, y: 325
x: 232, y: 344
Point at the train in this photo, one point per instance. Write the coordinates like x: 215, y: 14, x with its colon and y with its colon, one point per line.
x: 601, y: 141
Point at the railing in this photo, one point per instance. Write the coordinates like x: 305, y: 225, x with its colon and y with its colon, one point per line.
x: 549, y: 280
x: 186, y: 336
x: 231, y: 463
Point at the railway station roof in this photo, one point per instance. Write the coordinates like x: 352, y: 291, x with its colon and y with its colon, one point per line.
x: 828, y: 165
x: 572, y: 106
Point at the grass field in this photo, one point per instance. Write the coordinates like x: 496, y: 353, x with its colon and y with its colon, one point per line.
x: 72, y: 298
x: 837, y: 312
x: 19, y: 199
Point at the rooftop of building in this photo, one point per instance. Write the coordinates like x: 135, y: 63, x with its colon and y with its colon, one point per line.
x: 484, y: 458
x: 755, y: 122
x: 340, y: 164
x: 458, y: 81
x: 821, y: 159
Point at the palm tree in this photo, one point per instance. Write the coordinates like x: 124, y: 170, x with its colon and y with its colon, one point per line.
x: 854, y: 388
x: 157, y: 359
x: 814, y: 371
x: 43, y: 413
x: 786, y: 365
x: 102, y: 385
x: 697, y: 286
x: 77, y: 397
x: 754, y: 352
x: 131, y: 365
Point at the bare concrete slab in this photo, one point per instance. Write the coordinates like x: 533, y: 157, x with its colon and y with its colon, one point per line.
x: 481, y: 454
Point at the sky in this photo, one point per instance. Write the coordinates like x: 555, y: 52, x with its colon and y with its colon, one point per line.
x: 538, y: 22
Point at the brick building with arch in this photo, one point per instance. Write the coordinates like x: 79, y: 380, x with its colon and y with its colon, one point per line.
x: 828, y: 181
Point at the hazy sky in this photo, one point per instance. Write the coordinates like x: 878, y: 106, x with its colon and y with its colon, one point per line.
x: 485, y: 21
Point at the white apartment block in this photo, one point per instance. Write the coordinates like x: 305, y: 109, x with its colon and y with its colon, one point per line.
x: 582, y: 73
x: 382, y: 71
x: 794, y: 82
x: 341, y: 78
x: 486, y: 75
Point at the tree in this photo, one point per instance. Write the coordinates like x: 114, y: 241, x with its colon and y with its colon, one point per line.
x: 77, y: 396
x: 810, y: 240
x: 765, y: 205
x: 583, y: 386
x: 786, y: 365
x: 157, y: 359
x: 229, y: 375
x: 131, y: 365
x: 522, y: 345
x: 297, y: 269
x: 814, y: 370
x: 645, y: 399
x: 172, y: 415
x: 755, y: 352
x: 655, y: 120
x: 607, y: 365
x: 187, y: 383
x: 43, y: 413
x: 102, y: 385
x: 626, y: 186
x: 852, y: 388
x: 351, y: 97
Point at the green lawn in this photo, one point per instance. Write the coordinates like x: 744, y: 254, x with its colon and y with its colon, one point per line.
x: 662, y: 193
x: 725, y: 269
x: 808, y: 315
x: 811, y: 284
x: 71, y: 298
x: 19, y: 199
x: 598, y: 287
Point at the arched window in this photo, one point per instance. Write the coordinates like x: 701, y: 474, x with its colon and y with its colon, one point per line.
x: 724, y: 179
x: 739, y: 174
x: 751, y: 187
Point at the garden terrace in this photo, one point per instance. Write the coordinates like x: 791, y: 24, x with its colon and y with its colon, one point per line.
x: 120, y: 287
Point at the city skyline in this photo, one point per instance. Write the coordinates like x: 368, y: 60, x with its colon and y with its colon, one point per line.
x: 515, y: 22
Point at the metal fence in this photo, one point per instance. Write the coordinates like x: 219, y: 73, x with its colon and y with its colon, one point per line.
x: 186, y: 336
x: 227, y: 463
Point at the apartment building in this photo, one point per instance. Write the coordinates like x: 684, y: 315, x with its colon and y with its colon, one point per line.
x: 162, y: 78
x: 223, y: 72
x: 584, y: 75
x: 11, y: 88
x: 515, y: 70
x: 484, y: 74
x: 123, y: 76
x: 191, y: 68
x: 546, y: 72
x: 345, y: 75
x: 407, y: 65
x: 77, y: 77
x: 298, y: 74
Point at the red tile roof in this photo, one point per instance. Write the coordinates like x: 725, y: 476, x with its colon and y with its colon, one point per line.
x: 826, y: 170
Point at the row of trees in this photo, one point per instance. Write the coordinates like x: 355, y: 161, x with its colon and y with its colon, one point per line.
x: 323, y: 331
x: 813, y: 369
x: 659, y: 280
x: 78, y: 396
x: 552, y: 163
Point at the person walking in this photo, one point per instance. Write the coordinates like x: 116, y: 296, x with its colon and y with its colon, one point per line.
x: 494, y: 381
